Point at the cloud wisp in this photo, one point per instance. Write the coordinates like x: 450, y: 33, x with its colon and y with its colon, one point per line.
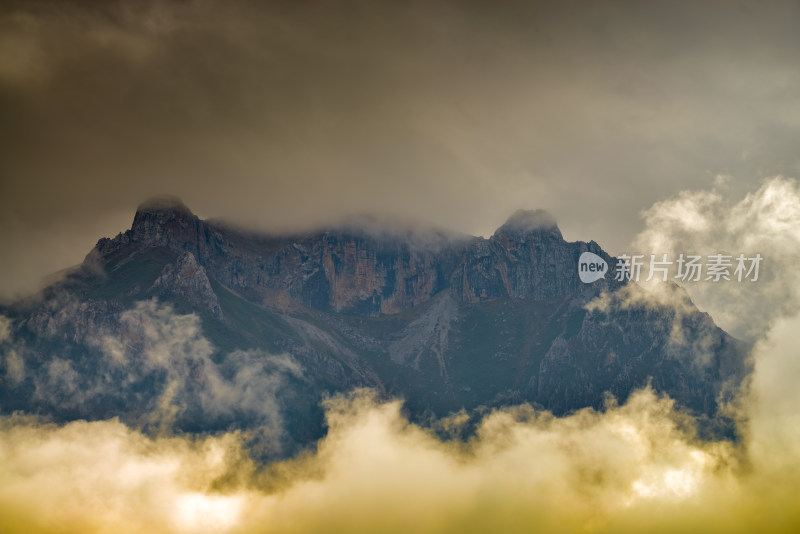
x: 152, y: 364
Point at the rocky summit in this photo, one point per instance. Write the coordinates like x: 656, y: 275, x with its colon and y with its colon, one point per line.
x: 182, y: 324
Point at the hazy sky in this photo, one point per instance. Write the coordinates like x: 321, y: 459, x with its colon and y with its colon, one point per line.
x: 654, y: 124
x: 277, y: 114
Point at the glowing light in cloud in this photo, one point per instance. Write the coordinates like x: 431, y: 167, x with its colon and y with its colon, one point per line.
x: 677, y: 483
x: 196, y: 512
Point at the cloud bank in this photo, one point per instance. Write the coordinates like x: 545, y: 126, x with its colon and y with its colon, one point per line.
x: 633, y: 468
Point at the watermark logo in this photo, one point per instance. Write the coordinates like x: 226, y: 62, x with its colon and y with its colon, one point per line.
x: 591, y: 267
x: 685, y: 268
x: 688, y: 267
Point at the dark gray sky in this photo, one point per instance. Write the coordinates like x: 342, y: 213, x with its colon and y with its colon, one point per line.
x: 279, y: 114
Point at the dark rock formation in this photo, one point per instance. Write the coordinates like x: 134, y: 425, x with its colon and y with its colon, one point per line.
x: 359, y: 272
x: 186, y: 278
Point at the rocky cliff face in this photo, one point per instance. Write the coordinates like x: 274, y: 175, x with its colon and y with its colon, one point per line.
x: 357, y: 272
x: 186, y: 278
x: 177, y: 314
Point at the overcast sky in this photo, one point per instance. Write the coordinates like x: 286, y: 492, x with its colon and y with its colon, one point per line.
x: 280, y: 114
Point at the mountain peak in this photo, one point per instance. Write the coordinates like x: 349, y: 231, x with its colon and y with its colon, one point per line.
x: 166, y: 203
x: 524, y: 222
x: 163, y: 217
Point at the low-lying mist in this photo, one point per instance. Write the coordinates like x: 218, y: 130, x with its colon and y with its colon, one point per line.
x: 631, y: 468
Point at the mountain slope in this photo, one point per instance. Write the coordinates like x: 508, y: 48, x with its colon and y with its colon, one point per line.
x: 191, y: 325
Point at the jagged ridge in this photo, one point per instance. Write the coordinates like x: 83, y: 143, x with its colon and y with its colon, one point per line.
x: 358, y: 272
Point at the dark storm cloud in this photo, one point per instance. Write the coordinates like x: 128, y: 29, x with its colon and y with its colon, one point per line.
x: 282, y: 114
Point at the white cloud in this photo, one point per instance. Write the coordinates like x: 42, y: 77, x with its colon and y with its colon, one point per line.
x: 5, y: 328
x: 766, y: 222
